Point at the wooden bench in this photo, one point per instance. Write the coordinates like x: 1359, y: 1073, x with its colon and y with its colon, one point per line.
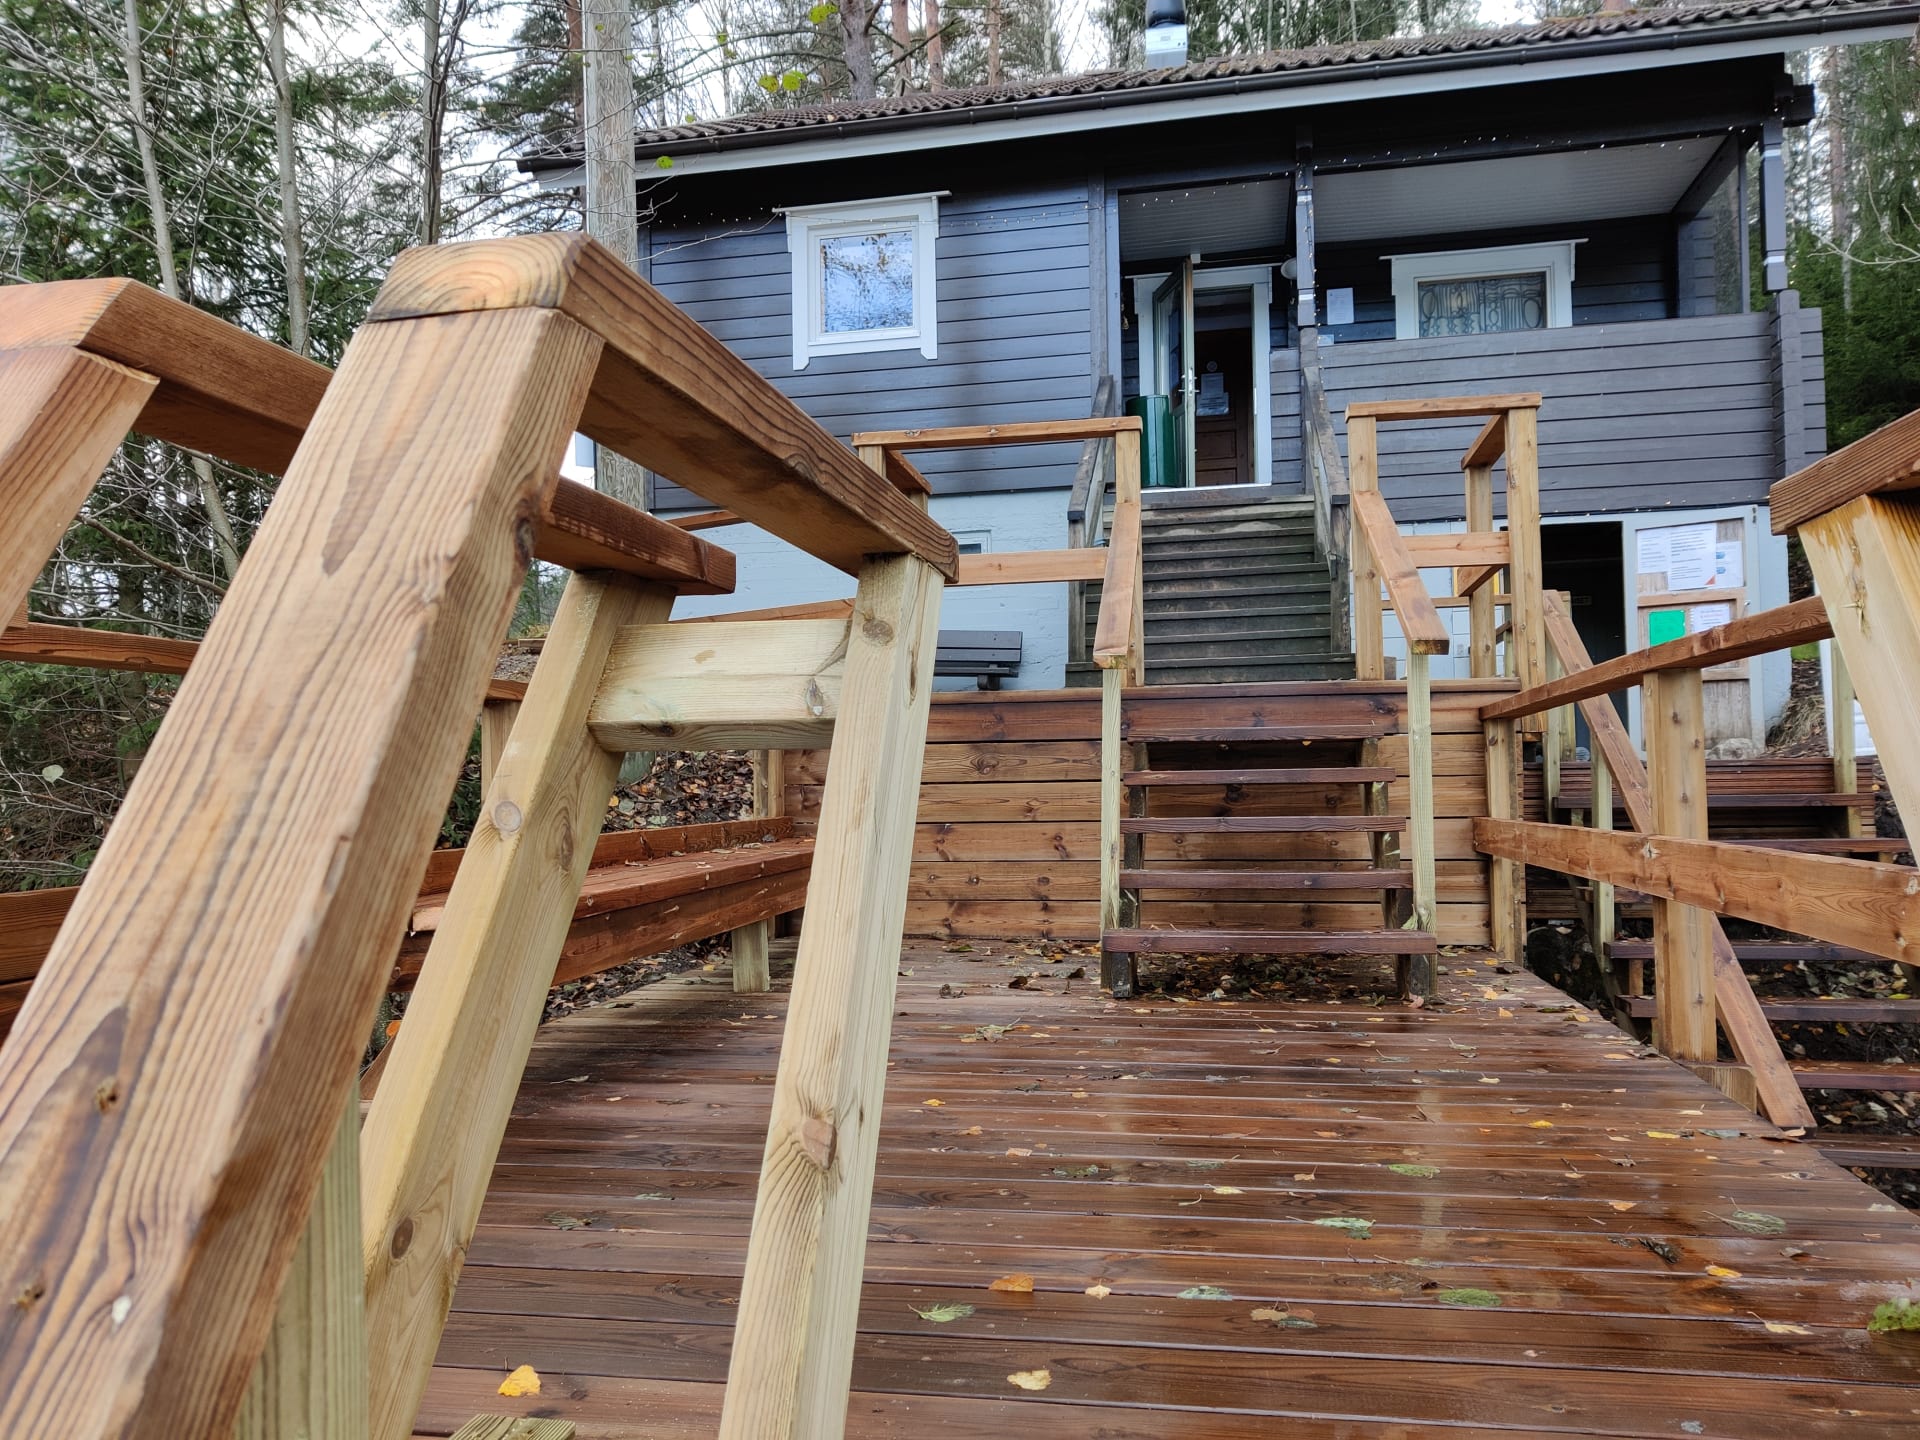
x: 987, y: 655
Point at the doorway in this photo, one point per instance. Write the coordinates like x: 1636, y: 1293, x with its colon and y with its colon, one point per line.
x: 1204, y: 345
x: 1585, y: 560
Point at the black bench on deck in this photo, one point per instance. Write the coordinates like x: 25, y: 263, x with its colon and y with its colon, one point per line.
x: 987, y: 655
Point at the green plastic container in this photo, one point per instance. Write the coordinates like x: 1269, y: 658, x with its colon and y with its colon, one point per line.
x: 1159, y: 442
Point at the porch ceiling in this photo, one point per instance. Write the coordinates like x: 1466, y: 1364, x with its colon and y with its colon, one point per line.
x: 1506, y: 194
x: 1228, y: 219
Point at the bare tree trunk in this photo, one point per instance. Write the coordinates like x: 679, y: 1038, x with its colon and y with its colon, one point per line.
x: 855, y: 17
x: 433, y: 110
x: 902, y: 47
x: 993, y: 42
x: 1838, y: 198
x: 292, y: 234
x: 217, y: 518
x: 936, y: 46
x: 606, y: 44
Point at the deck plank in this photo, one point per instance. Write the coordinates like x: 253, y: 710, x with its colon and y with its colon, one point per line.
x: 1152, y: 1147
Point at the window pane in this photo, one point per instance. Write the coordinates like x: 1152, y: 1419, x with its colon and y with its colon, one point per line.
x: 1484, y: 305
x: 866, y: 282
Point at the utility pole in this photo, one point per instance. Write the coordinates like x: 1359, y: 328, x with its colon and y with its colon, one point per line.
x: 606, y: 50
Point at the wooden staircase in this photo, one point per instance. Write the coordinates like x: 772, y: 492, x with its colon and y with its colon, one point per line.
x: 1264, y: 839
x: 1236, y: 591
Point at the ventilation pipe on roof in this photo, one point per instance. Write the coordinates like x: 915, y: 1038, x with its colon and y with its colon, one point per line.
x: 1166, y: 33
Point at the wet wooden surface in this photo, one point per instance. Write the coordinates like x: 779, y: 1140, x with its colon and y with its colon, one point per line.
x: 1663, y: 1263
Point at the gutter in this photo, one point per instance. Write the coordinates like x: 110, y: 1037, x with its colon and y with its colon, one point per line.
x: 1036, y: 114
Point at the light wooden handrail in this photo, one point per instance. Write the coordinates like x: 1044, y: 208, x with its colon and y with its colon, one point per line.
x: 1113, y: 636
x: 1801, y: 623
x: 1019, y: 432
x: 1406, y: 592
x: 1886, y: 461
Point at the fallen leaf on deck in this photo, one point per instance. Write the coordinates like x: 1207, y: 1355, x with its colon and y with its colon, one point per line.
x: 971, y: 1130
x: 1286, y: 1319
x: 1505, y: 1014
x: 1304, y: 1175
x: 1539, y: 1124
x: 1353, y: 1225
x: 1894, y: 1315
x: 1228, y: 1190
x: 933, y: 1104
x: 1757, y: 1222
x: 1013, y: 1284
x: 523, y: 1381
x: 1031, y: 1379
x: 1470, y: 1298
x: 942, y: 1313
x: 560, y: 1220
x: 1099, y: 1292
x: 1204, y: 1292
x: 1623, y: 1204
x: 1661, y: 1135
x: 1781, y: 1327
x: 1721, y: 1272
x: 1489, y: 1079
x: 1418, y: 1172
x: 1020, y: 1151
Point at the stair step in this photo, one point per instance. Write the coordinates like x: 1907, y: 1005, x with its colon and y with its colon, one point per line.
x: 1854, y: 1075
x: 1286, y: 775
x: 1275, y: 881
x: 1583, y: 800
x: 1767, y: 952
x: 1147, y: 734
x: 1874, y: 1152
x: 1235, y: 567
x: 1269, y: 942
x: 1275, y: 500
x: 1814, y: 1010
x: 1256, y: 824
x: 1228, y: 618
x: 1241, y: 548
x: 1223, y: 588
x: 1236, y: 641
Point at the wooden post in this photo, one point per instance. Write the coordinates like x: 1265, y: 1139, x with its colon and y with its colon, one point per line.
x: 1675, y: 721
x: 1420, y: 808
x: 1846, y: 768
x: 1369, y: 612
x: 1116, y: 967
x: 1506, y: 879
x: 1480, y: 609
x: 62, y: 415
x: 1526, y: 614
x: 444, y: 1100
x: 1605, y: 919
x: 1126, y: 486
x: 793, y: 1345
x: 311, y: 1383
x: 1865, y: 557
x: 391, y: 555
x: 496, y: 724
x: 1551, y: 752
x: 751, y: 972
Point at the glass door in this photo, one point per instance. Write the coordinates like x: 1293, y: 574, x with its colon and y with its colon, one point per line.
x: 1173, y: 359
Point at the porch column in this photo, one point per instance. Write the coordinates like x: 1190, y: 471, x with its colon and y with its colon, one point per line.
x: 1773, y: 205
x: 1306, y: 310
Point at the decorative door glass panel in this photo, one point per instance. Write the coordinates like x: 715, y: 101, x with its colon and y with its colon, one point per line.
x: 1483, y: 305
x: 866, y: 282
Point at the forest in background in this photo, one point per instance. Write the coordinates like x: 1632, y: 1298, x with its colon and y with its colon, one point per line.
x: 267, y: 159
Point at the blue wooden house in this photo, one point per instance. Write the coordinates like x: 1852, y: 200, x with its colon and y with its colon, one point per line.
x: 1593, y: 209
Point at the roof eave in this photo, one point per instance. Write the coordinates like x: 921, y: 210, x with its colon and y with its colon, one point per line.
x: 1017, y: 119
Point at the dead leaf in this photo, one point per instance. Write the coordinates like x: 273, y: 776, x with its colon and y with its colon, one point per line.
x: 1661, y: 1135
x: 1539, y: 1124
x: 560, y: 1220
x: 972, y: 1130
x: 944, y: 1312
x: 1286, y: 1319
x: 1228, y: 1190
x: 1098, y: 1292
x: 523, y: 1381
x: 1018, y: 1284
x: 1019, y: 1151
x: 1721, y: 1272
x: 1031, y: 1379
x: 933, y: 1104
x: 1204, y: 1292
x: 1623, y: 1204
x: 1781, y: 1327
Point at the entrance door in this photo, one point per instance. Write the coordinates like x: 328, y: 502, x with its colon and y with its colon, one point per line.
x: 1173, y: 327
x: 1223, y: 404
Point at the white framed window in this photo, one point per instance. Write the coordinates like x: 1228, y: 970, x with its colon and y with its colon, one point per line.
x: 1483, y: 292
x: 974, y: 542
x: 863, y: 276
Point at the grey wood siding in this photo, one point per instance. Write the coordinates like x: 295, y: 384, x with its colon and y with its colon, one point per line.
x: 1013, y: 299
x: 1636, y: 416
x: 1624, y: 271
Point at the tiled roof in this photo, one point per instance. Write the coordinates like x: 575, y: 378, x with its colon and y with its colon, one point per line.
x: 1490, y: 46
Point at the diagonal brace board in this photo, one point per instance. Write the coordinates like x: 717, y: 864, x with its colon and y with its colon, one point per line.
x: 442, y: 1107
x: 793, y: 1344
x: 155, y: 1173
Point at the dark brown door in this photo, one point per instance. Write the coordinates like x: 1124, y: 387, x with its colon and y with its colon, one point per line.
x: 1223, y: 420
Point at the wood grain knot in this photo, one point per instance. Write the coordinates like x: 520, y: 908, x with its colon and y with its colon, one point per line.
x: 523, y: 540
x: 506, y: 817
x: 402, y: 1238
x: 817, y: 1140
x: 30, y: 1295
x: 876, y: 630
x: 106, y: 1096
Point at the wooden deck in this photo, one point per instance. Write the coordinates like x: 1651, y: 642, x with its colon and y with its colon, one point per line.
x: 1663, y: 1263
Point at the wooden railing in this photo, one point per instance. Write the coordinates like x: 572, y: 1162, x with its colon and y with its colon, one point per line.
x: 1118, y: 646
x: 1325, y: 475
x: 1384, y: 560
x: 265, y: 862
